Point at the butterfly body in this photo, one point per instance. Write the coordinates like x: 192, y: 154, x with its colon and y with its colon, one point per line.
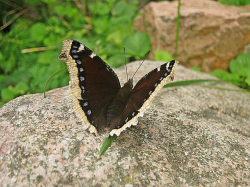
x: 99, y: 99
x: 117, y: 106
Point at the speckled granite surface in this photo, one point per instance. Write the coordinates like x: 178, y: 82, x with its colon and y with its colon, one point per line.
x: 190, y: 136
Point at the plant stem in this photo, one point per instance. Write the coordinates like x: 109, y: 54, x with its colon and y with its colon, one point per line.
x: 177, y: 29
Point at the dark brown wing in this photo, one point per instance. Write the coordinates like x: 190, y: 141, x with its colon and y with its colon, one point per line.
x: 93, y: 84
x: 143, y: 94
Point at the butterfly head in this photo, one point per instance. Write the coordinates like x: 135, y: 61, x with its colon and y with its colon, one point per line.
x: 127, y: 87
x: 130, y: 82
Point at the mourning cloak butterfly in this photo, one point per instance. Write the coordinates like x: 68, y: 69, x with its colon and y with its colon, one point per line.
x: 98, y: 97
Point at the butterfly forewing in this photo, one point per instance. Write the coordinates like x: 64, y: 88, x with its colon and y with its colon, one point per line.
x: 151, y: 83
x: 143, y: 93
x: 93, y: 83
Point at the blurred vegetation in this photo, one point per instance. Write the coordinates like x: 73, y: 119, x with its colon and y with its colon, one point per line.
x: 239, y: 73
x: 32, y: 34
x: 235, y: 2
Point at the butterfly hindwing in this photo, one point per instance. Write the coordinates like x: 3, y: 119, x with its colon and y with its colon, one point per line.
x: 143, y: 94
x: 93, y: 84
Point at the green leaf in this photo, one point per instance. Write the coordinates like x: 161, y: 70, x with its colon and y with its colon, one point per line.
x: 247, y: 81
x: 235, y: 2
x: 116, y: 37
x: 8, y: 94
x: 188, y: 82
x: 107, y: 144
x: 46, y: 56
x: 241, y: 65
x: 161, y: 55
x: 54, y: 21
x: 137, y: 45
x: 52, y: 39
x: 8, y: 65
x: 122, y: 8
x: 122, y: 22
x: 117, y: 60
x: 100, y: 25
x: 70, y: 11
x: 100, y: 8
x: 11, y: 92
x: 60, y: 9
x: 108, y: 50
x: 15, y: 78
x: 21, y: 88
x: 38, y: 31
x: 111, y: 2
x: 226, y: 76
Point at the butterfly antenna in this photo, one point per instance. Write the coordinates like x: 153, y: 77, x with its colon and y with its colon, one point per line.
x: 125, y: 63
x: 140, y: 64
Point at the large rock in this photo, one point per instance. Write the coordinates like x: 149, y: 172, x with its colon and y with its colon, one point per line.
x: 191, y: 136
x: 211, y: 34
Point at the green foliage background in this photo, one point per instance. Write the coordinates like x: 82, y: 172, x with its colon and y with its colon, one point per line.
x: 239, y: 73
x: 235, y: 2
x: 103, y: 26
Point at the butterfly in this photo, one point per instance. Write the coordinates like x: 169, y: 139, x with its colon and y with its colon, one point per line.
x: 99, y: 100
